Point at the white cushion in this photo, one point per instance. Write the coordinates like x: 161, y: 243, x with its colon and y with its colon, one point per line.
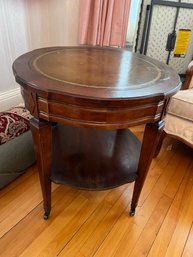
x: 179, y: 128
x: 181, y: 104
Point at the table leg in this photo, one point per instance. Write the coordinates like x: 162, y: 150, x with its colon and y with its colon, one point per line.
x: 151, y: 138
x: 159, y: 145
x: 42, y: 135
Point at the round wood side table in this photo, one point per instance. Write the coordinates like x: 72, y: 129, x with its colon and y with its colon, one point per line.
x: 83, y: 101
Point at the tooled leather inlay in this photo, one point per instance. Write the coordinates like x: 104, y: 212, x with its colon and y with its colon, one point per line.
x: 83, y: 67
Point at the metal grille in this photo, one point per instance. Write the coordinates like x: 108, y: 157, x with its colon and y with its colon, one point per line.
x: 162, y: 23
x: 185, y: 20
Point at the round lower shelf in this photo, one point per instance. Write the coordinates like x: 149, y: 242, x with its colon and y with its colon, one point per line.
x: 94, y: 159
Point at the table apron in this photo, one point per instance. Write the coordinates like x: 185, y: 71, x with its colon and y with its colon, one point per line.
x: 104, y: 118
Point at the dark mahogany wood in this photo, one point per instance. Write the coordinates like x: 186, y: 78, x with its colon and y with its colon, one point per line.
x: 94, y: 87
x: 151, y: 138
x: 94, y: 159
x: 42, y: 135
x: 97, y: 93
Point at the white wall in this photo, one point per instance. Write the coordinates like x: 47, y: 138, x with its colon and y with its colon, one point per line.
x: 26, y: 25
x: 53, y: 22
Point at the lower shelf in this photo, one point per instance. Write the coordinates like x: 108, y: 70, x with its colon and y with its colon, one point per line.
x: 94, y: 159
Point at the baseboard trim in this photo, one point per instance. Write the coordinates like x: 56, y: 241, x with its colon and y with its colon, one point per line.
x: 10, y: 98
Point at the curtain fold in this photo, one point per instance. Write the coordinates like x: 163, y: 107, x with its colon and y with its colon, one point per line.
x: 104, y: 22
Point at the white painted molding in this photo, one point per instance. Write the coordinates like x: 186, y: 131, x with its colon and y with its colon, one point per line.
x: 10, y: 98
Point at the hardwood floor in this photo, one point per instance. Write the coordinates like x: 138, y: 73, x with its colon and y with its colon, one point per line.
x: 97, y: 224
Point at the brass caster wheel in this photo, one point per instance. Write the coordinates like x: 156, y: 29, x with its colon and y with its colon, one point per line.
x: 132, y: 213
x: 46, y: 215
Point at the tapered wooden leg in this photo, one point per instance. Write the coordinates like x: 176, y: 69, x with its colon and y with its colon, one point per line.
x: 160, y: 142
x: 150, y: 141
x: 42, y: 135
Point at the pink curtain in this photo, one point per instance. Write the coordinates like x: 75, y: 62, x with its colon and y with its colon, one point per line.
x: 104, y: 22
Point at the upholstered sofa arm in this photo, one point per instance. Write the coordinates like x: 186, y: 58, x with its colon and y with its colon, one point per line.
x: 188, y: 83
x: 179, y: 119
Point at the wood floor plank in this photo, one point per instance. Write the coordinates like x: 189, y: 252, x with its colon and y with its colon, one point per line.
x: 162, y: 168
x: 88, y: 246
x: 183, y: 161
x: 181, y: 232
x: 123, y: 228
x: 145, y: 212
x: 114, y: 237
x: 165, y: 234
x: 97, y: 224
x: 19, y: 202
x: 28, y: 229
x: 147, y: 236
x: 156, y: 193
x: 188, y: 249
x: 62, y: 227
x: 141, y: 218
x: 156, y: 169
x: 71, y: 221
